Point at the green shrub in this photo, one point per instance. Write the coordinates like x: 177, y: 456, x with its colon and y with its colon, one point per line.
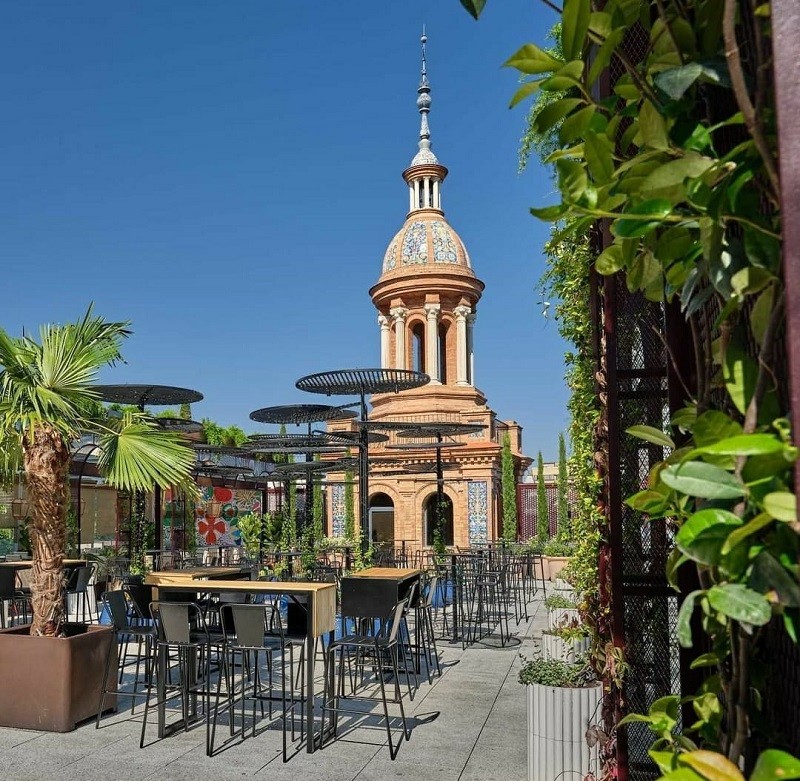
x: 558, y: 601
x: 553, y: 672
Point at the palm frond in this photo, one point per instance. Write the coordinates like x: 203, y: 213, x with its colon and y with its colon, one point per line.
x: 138, y: 455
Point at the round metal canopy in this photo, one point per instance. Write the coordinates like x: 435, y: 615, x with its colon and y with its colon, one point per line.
x: 442, y: 429
x: 345, y: 382
x: 226, y: 450
x: 301, y: 413
x: 222, y: 469
x: 282, y: 441
x: 387, y: 425
x: 140, y: 395
x: 346, y: 437
x: 425, y: 445
x: 180, y: 425
x: 309, y: 467
x: 258, y: 452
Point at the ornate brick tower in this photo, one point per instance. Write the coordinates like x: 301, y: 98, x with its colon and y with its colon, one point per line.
x: 427, y: 297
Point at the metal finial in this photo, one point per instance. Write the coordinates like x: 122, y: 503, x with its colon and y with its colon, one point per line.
x: 424, y: 155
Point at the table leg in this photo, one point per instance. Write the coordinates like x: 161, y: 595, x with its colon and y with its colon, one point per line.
x: 161, y: 689
x: 310, y: 674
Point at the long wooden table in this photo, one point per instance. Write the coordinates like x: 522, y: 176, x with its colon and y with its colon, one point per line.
x: 199, y: 573
x: 320, y: 617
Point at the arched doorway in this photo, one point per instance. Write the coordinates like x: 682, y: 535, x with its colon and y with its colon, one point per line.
x: 381, y: 518
x: 429, y: 518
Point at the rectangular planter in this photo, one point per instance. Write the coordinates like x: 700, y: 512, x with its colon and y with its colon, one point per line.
x: 559, y: 615
x: 53, y: 683
x: 557, y: 722
x: 553, y: 565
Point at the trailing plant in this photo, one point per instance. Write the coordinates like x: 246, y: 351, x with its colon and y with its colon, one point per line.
x: 569, y: 631
x: 317, y: 509
x: 349, y: 505
x: 562, y: 502
x: 508, y: 483
x: 229, y: 436
x: 542, y: 507
x: 250, y: 528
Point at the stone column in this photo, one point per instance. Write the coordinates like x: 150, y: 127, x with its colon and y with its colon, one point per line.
x: 383, y: 321
x: 426, y: 192
x: 398, y: 314
x: 437, y: 203
x: 416, y: 194
x: 470, y: 348
x: 461, y: 313
x: 432, y: 342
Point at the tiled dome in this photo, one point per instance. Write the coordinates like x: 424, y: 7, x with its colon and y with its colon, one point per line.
x: 426, y: 243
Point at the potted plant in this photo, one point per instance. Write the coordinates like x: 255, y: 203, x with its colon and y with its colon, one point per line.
x: 556, y: 554
x: 106, y: 562
x: 567, y: 641
x: 51, y: 672
x: 560, y: 609
x: 563, y: 701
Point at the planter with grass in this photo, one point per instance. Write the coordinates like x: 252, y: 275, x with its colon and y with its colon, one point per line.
x: 563, y: 701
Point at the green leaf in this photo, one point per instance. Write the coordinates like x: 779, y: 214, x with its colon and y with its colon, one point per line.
x: 682, y: 774
x: 712, y: 426
x: 703, y: 534
x: 696, y: 478
x: 709, y: 659
x: 533, y: 60
x: 604, y: 53
x: 610, y: 260
x: 528, y: 88
x: 566, y: 77
x: 740, y: 603
x: 552, y: 113
x: 474, y: 7
x: 761, y: 314
x: 743, y: 532
x: 781, y: 505
x: 744, y: 445
x: 652, y: 127
x: 642, y: 219
x: 598, y: 151
x: 769, y: 575
x: 684, y: 622
x: 690, y: 166
x: 750, y: 280
x: 711, y: 765
x: 762, y: 250
x: 648, y: 501
x: 574, y: 26
x: 664, y: 759
x: 650, y: 434
x: 572, y: 179
x: 675, y: 81
x: 739, y: 373
x: 549, y: 213
x: 575, y: 125
x: 774, y: 765
x: 674, y: 562
x: 685, y: 418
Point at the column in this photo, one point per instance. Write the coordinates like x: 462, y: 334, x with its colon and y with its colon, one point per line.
x: 461, y: 313
x: 416, y: 194
x: 426, y: 199
x: 411, y: 197
x: 398, y: 314
x: 383, y: 321
x: 437, y: 204
x: 432, y: 342
x: 470, y: 348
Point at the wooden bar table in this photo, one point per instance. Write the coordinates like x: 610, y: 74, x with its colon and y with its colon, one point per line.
x: 320, y: 617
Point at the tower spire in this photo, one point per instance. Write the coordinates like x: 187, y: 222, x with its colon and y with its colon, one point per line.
x: 425, y: 155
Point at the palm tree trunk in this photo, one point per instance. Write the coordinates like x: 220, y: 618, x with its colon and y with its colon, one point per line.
x: 46, y: 460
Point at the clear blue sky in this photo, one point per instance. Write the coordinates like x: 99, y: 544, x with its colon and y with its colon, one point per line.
x: 227, y: 177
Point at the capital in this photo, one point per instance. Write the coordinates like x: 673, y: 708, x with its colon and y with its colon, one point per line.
x: 461, y: 312
x: 432, y: 311
x: 398, y: 313
x: 383, y: 321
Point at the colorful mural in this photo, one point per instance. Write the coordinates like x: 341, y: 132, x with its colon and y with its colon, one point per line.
x: 217, y: 514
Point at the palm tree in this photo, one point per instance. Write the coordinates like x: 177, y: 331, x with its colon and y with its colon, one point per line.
x: 47, y: 400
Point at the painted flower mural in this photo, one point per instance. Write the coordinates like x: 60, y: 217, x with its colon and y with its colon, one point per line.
x: 218, y: 512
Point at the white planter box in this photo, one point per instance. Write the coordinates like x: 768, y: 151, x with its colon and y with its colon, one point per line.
x: 557, y: 723
x: 554, y: 647
x: 559, y: 615
x: 564, y: 587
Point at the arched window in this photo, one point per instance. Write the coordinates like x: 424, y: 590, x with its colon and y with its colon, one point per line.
x: 418, y: 347
x: 381, y: 518
x: 443, y: 353
x: 430, y: 518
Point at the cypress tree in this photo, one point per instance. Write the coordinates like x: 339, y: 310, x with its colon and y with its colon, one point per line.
x: 542, y: 510
x: 508, y: 485
x: 564, y: 532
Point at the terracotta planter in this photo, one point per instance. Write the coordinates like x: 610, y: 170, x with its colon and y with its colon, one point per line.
x: 557, y: 722
x: 53, y: 683
x: 553, y: 565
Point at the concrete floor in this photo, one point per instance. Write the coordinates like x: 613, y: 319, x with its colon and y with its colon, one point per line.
x: 469, y: 725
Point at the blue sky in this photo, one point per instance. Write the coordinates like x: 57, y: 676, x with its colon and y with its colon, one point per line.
x: 227, y: 177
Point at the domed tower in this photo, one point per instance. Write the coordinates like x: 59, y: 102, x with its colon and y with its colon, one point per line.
x: 427, y: 294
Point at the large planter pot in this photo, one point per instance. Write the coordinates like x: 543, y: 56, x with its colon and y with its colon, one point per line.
x: 557, y: 722
x: 561, y: 615
x: 53, y: 683
x: 553, y: 565
x: 553, y: 647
